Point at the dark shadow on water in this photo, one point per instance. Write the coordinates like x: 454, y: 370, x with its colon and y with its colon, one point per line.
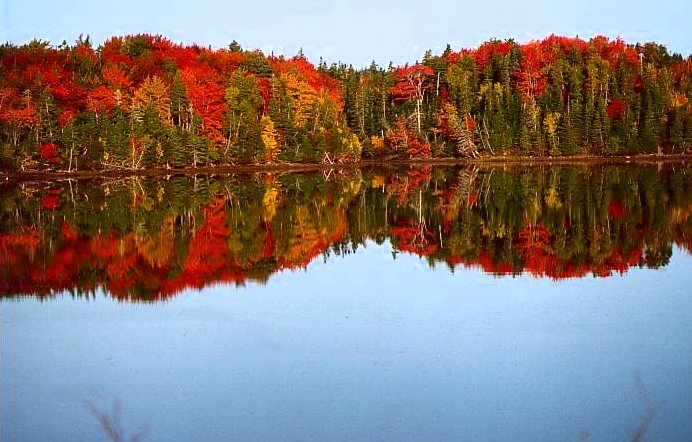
x: 111, y: 423
x: 650, y: 409
x: 639, y: 434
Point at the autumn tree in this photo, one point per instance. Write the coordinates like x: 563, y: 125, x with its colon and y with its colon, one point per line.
x: 245, y: 103
x: 269, y: 139
x: 412, y: 83
x: 154, y: 94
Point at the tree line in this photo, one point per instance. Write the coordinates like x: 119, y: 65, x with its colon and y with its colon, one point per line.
x: 145, y: 102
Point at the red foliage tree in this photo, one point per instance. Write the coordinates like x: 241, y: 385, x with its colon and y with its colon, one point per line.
x: 616, y: 108
x: 411, y: 84
x: 206, y: 97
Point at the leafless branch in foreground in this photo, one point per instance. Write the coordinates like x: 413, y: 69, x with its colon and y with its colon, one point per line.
x: 111, y: 423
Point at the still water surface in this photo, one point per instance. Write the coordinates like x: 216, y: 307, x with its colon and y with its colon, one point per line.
x: 409, y: 304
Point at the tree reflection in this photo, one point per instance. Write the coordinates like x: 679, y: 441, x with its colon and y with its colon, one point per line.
x: 151, y: 238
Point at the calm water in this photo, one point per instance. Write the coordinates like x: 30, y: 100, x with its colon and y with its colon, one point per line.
x: 386, y: 304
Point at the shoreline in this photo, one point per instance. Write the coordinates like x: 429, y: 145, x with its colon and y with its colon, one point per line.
x: 523, y: 161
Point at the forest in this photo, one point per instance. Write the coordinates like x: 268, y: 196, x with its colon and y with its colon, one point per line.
x: 144, y: 102
x: 148, y: 239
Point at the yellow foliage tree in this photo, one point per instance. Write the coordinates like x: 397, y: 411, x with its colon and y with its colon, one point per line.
x: 269, y: 139
x: 302, y: 96
x: 152, y: 93
x: 350, y: 145
x: 377, y: 143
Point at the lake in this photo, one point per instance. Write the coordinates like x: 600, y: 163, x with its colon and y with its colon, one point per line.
x: 387, y: 303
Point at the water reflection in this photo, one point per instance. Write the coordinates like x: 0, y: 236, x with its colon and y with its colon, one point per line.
x: 151, y: 238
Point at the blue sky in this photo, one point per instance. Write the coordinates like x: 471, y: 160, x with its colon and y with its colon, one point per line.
x: 353, y: 31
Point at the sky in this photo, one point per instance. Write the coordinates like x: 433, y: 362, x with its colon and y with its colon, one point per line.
x: 352, y: 31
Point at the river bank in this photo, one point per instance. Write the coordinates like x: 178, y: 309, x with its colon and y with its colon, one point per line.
x: 494, y: 161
